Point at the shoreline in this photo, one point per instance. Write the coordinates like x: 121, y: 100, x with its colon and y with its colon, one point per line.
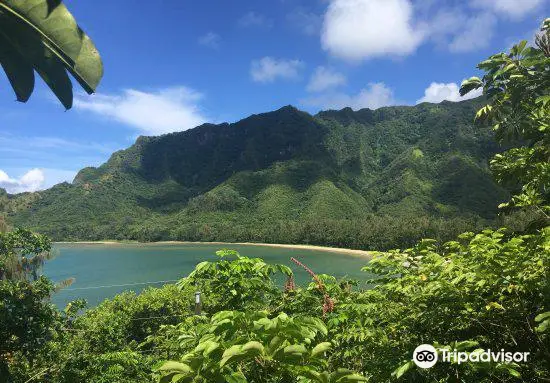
x: 340, y: 250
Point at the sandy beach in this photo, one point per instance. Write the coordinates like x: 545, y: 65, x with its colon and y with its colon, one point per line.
x: 360, y: 253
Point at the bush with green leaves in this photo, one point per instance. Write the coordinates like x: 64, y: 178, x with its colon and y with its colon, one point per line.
x: 237, y: 283
x: 517, y: 87
x: 27, y: 317
x: 485, y: 290
x: 240, y: 347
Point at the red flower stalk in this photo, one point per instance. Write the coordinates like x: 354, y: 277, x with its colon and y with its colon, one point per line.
x: 290, y: 285
x: 328, y: 303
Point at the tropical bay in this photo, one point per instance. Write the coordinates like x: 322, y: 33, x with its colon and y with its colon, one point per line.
x: 102, y: 270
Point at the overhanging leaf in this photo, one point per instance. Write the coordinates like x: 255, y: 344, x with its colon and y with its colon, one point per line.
x: 44, y: 62
x: 46, y: 36
x: 52, y: 23
x: 19, y: 72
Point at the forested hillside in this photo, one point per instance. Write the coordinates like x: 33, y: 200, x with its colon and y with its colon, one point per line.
x: 371, y: 178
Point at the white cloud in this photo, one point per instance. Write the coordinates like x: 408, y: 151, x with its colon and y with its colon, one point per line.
x: 253, y: 19
x: 28, y: 182
x: 308, y: 22
x: 168, y: 110
x: 362, y: 29
x: 438, y: 92
x: 445, y: 23
x: 268, y: 69
x: 325, y: 78
x: 374, y: 96
x: 515, y: 9
x: 476, y: 33
x: 211, y: 40
x: 356, y: 30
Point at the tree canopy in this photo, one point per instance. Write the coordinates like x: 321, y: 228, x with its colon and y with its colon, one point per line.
x: 517, y: 86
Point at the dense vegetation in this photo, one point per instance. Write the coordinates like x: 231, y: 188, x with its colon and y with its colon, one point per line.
x: 367, y: 179
x: 489, y: 290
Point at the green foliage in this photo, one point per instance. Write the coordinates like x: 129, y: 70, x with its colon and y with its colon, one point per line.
x: 486, y: 289
x: 27, y: 317
x: 22, y: 254
x: 42, y: 36
x: 517, y: 87
x: 242, y: 282
x: 251, y: 347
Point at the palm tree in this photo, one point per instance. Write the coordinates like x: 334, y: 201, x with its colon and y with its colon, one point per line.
x: 43, y: 36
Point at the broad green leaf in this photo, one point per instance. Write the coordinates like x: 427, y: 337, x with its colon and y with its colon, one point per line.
x: 53, y: 25
x: 253, y: 347
x: 240, y: 352
x: 317, y: 324
x: 222, y: 315
x: 518, y: 49
x: 343, y: 375
x: 274, y: 344
x: 230, y: 354
x: 542, y: 316
x: 295, y: 349
x: 170, y: 378
x: 543, y: 326
x: 175, y: 366
x: 321, y: 348
x: 469, y: 85
x: 43, y: 60
x: 19, y: 72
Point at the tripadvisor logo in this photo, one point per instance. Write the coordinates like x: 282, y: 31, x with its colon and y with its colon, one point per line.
x: 426, y: 356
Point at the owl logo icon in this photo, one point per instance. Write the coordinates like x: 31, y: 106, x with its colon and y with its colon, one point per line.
x: 425, y: 356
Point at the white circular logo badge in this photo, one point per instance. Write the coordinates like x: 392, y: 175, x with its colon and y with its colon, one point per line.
x: 425, y: 356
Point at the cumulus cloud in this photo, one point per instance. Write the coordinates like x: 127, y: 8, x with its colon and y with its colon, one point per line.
x: 445, y: 23
x: 374, y: 96
x: 211, y: 40
x: 476, y: 33
x: 167, y: 110
x: 325, y: 78
x: 356, y: 30
x: 362, y: 29
x: 268, y: 69
x: 253, y: 19
x: 515, y: 9
x: 29, y: 182
x: 438, y: 92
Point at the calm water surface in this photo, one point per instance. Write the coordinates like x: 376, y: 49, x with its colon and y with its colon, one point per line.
x: 97, y: 265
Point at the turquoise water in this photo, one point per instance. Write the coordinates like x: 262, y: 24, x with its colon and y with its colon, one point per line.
x: 96, y: 266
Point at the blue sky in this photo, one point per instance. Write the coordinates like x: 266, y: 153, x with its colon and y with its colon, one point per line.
x: 173, y: 64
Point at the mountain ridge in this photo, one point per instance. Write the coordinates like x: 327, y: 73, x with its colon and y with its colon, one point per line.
x: 248, y: 179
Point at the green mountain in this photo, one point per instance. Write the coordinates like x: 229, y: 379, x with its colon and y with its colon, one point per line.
x: 367, y: 179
